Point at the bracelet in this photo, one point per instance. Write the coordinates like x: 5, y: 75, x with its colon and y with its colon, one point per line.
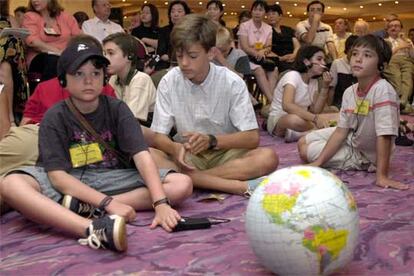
x: 105, y: 202
x: 161, y: 201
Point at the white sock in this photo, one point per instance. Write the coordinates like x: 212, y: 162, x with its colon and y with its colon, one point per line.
x: 293, y: 136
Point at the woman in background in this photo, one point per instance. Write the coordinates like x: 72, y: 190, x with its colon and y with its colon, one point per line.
x: 215, y: 11
x: 148, y: 31
x: 50, y: 26
x: 176, y: 11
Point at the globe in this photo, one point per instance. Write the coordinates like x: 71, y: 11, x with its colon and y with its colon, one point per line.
x: 302, y: 220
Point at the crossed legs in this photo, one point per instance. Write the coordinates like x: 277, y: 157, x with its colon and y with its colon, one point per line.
x: 231, y: 177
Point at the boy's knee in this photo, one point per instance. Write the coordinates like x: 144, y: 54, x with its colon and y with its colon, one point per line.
x: 302, y: 149
x: 269, y: 159
x: 183, y: 185
x: 6, y: 185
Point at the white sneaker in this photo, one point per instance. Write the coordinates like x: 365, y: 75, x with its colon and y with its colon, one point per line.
x: 293, y: 136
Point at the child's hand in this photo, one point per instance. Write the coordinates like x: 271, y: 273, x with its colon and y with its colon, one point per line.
x: 389, y: 183
x: 165, y: 216
x: 179, y: 156
x: 326, y: 79
x: 320, y: 122
x: 120, y: 209
x: 197, y: 142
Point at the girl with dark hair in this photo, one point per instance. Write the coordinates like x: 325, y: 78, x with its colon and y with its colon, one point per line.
x: 296, y: 102
x: 133, y: 87
x: 148, y: 31
x: 215, y: 11
x: 176, y: 11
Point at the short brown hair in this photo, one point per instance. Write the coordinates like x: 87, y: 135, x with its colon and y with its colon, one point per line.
x: 194, y: 28
x: 53, y: 7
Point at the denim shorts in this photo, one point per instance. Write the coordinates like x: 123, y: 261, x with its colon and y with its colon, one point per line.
x: 107, y: 181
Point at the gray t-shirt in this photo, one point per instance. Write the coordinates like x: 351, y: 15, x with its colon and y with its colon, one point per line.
x: 239, y: 60
x: 61, y: 135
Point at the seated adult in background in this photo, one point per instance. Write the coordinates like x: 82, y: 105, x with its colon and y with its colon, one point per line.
x: 341, y: 33
x: 400, y: 69
x: 361, y: 27
x: 341, y: 74
x: 313, y: 31
x: 383, y: 32
x: 13, y: 66
x: 148, y: 31
x: 255, y: 39
x: 100, y: 26
x: 19, y: 14
x: 297, y: 103
x: 284, y: 43
x: 215, y: 11
x: 217, y: 132
x: 133, y: 87
x: 51, y: 29
x: 176, y: 11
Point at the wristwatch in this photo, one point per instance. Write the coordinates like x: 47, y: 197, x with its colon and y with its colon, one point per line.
x: 212, y: 143
x: 161, y: 201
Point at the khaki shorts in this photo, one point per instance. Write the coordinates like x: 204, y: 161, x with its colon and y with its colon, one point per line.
x: 212, y: 158
x: 19, y: 148
x: 346, y: 158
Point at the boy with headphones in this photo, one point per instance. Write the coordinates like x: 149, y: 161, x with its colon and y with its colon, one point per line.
x: 369, y: 119
x: 133, y: 87
x: 76, y: 167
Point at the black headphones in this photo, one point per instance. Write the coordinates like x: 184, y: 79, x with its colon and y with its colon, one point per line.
x: 63, y: 82
x: 385, y: 53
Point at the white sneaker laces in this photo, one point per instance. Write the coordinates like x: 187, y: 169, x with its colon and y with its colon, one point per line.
x: 95, y: 239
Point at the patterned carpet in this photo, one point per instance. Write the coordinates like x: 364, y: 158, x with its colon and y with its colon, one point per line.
x: 385, y: 246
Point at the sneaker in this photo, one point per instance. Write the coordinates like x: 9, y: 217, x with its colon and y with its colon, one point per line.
x: 252, y: 184
x: 81, y: 208
x: 292, y: 135
x: 108, y: 232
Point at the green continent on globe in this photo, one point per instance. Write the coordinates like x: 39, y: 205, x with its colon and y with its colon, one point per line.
x: 276, y: 204
x: 327, y: 243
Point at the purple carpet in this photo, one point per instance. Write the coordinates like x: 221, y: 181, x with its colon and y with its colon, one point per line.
x: 386, y: 243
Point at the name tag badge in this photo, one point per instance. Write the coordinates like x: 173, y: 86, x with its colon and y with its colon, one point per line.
x: 362, y: 107
x: 50, y: 31
x: 82, y: 155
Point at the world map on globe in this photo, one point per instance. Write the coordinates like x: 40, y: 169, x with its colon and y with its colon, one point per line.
x: 307, y: 207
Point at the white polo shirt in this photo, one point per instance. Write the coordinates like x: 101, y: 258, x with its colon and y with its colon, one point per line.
x: 100, y: 29
x: 219, y: 105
